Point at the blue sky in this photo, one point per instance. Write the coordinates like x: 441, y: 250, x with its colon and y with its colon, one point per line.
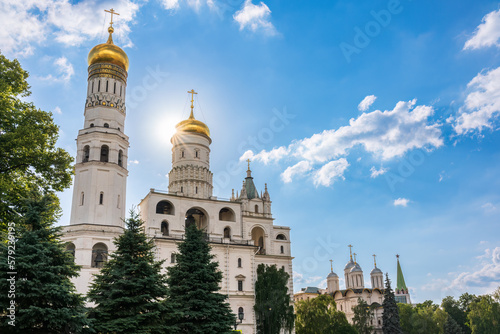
x: 374, y: 123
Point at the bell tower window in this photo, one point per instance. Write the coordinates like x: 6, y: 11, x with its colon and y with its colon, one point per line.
x: 107, y: 86
x: 104, y: 153
x: 101, y: 198
x: 82, y: 198
x: 120, y: 158
x: 99, y: 86
x: 114, y: 89
x: 86, y: 153
x: 92, y: 87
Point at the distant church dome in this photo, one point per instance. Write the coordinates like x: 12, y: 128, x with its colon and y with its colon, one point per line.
x: 349, y: 265
x: 356, y: 268
x: 193, y: 125
x: 108, y: 53
x: 375, y: 271
x: 332, y: 274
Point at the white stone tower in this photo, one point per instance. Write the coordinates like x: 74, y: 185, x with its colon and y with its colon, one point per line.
x: 332, y: 280
x: 101, y: 161
x: 347, y: 269
x: 190, y: 175
x: 376, y: 275
x: 356, y: 276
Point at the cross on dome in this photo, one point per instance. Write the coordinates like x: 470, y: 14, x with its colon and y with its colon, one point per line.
x: 112, y: 11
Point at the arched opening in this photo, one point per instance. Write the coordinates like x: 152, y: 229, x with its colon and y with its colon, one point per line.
x: 282, y: 250
x: 256, y: 208
x: 99, y: 86
x: 120, y: 91
x: 165, y: 208
x: 258, y: 236
x: 86, y: 153
x: 118, y: 202
x: 182, y: 154
x: 239, y: 262
x: 173, y: 258
x: 227, y: 233
x: 92, y: 87
x: 107, y: 86
x: 106, y: 125
x: 104, y: 153
x: 70, y: 248
x: 197, y: 217
x: 240, y: 285
x: 164, y: 228
x: 226, y: 214
x: 91, y: 125
x: 114, y: 89
x: 101, y: 198
x: 99, y: 255
x: 82, y: 198
x: 120, y: 158
x: 280, y: 237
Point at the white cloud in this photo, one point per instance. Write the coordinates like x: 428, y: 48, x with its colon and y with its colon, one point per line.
x: 331, y: 171
x: 489, y: 207
x: 255, y: 17
x: 366, y: 103
x: 488, y: 275
x: 297, y: 169
x: 482, y: 105
x: 265, y: 156
x: 401, y: 202
x: 377, y: 172
x: 28, y: 23
x: 64, y: 68
x: 133, y: 162
x: 58, y: 110
x: 487, y: 33
x: 170, y: 4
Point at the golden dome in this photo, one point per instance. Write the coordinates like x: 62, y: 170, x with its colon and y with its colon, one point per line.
x: 108, y: 53
x: 193, y: 125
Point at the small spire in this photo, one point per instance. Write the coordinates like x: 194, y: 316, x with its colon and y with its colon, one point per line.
x: 331, y: 265
x: 110, y: 29
x: 350, y: 250
x: 249, y: 172
x: 192, y: 92
x: 355, y: 262
x: 375, y: 260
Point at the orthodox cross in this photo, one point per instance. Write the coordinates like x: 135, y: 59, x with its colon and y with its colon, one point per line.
x: 192, y: 92
x: 355, y: 257
x: 248, y: 161
x: 350, y: 250
x: 331, y: 265
x: 375, y: 259
x: 112, y: 11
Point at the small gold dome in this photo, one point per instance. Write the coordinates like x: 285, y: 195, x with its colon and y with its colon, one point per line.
x: 108, y: 53
x: 193, y: 125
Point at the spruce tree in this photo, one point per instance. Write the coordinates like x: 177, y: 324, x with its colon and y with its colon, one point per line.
x: 363, y: 315
x: 193, y: 288
x: 130, y: 290
x: 45, y: 300
x: 451, y: 326
x: 390, y: 317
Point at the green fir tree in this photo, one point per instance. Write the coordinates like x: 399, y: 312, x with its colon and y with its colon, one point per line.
x: 363, y: 315
x: 390, y: 317
x: 451, y: 326
x: 272, y: 301
x: 130, y: 290
x: 194, y: 288
x: 36, y: 269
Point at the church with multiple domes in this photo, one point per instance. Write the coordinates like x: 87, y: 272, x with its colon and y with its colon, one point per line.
x: 241, y: 230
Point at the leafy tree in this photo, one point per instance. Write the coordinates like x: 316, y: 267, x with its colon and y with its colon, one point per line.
x: 29, y: 159
x: 45, y: 298
x: 484, y: 316
x: 194, y: 288
x: 363, y: 314
x: 451, y: 326
x: 130, y: 289
x: 272, y: 301
x: 424, y: 318
x: 320, y: 315
x: 390, y: 315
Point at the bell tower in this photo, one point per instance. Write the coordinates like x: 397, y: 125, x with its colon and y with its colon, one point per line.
x: 101, y: 160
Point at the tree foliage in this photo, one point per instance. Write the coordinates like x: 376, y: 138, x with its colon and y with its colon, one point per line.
x: 320, y: 315
x: 130, y: 289
x: 458, y: 310
x: 29, y: 159
x: 424, y: 318
x: 363, y: 315
x: 484, y: 316
x: 451, y: 326
x: 390, y: 317
x: 45, y: 298
x: 194, y: 289
x: 273, y: 309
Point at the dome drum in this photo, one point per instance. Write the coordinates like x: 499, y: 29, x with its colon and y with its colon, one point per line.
x: 107, y: 70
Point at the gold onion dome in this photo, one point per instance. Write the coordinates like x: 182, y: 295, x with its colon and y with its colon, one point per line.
x: 193, y: 125
x: 108, y: 53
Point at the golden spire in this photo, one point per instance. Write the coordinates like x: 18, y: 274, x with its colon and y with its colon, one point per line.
x: 350, y: 250
x: 355, y: 258
x: 192, y: 92
x: 248, y: 161
x: 375, y: 260
x: 112, y: 11
x: 111, y: 29
x: 331, y: 265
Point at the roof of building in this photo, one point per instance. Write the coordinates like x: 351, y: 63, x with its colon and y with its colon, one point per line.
x: 356, y: 268
x: 349, y: 264
x: 332, y: 274
x: 401, y: 285
x: 310, y: 289
x: 376, y: 271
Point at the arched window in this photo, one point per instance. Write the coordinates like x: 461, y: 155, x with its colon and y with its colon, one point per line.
x: 106, y: 125
x: 164, y: 228
x: 164, y: 208
x: 283, y: 267
x: 256, y: 208
x: 120, y: 91
x: 91, y: 125
x: 82, y: 198
x: 227, y: 233
x: 106, y: 86
x: 198, y: 217
x: 282, y: 249
x: 196, y: 153
x: 240, y: 311
x: 99, y: 86
x: 182, y: 189
x: 196, y: 190
x: 239, y: 262
x: 86, y: 153
x: 70, y: 248
x: 114, y: 89
x: 118, y: 202
x: 101, y: 198
x: 240, y: 285
x: 120, y: 158
x: 182, y: 154
x: 92, y: 87
x: 99, y: 255
x: 280, y: 237
x: 104, y: 153
x: 226, y: 214
x: 173, y: 258
x: 258, y: 239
